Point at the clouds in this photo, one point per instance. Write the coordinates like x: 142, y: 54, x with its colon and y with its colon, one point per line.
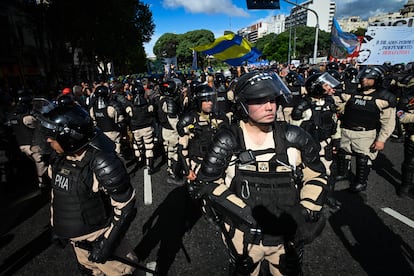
x: 367, y: 8
x: 207, y: 6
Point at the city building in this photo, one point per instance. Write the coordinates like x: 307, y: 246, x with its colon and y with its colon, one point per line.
x: 408, y: 9
x: 302, y: 14
x: 276, y: 24
x: 352, y: 23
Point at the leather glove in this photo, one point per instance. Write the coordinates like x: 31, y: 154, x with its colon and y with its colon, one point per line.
x: 309, y: 225
x: 290, y: 263
x: 101, y: 250
x: 243, y: 264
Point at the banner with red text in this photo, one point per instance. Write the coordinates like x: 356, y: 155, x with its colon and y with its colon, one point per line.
x: 387, y: 44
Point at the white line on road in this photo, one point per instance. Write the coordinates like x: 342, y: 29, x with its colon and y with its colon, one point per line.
x: 398, y: 216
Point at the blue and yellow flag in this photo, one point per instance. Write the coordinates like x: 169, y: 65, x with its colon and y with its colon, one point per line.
x: 231, y: 48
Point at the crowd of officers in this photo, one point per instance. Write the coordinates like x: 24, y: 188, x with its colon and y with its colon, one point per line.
x: 260, y: 150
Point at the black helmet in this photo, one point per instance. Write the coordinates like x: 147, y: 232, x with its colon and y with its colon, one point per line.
x: 376, y: 73
x: 398, y: 68
x: 219, y: 80
x: 205, y: 93
x: 293, y: 78
x: 259, y: 85
x: 138, y: 89
x: 351, y: 74
x: 171, y: 87
x: 313, y: 71
x: 70, y: 126
x: 332, y: 66
x: 314, y: 84
x: 335, y: 74
x: 102, y: 91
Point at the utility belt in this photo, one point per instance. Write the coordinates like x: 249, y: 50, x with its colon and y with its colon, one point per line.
x: 358, y: 128
x: 255, y: 236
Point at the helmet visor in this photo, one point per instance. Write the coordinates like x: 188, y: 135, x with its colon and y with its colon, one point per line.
x: 282, y: 89
x: 326, y: 79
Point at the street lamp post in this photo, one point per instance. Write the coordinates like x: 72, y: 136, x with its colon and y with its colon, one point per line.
x: 315, y: 48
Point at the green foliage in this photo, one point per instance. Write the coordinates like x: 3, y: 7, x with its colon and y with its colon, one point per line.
x: 359, y: 32
x: 276, y: 47
x: 111, y: 30
x: 169, y: 44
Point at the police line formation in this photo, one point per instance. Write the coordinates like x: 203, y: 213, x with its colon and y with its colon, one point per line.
x: 259, y: 151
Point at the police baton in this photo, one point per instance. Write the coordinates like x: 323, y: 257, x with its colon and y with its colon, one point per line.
x: 87, y: 246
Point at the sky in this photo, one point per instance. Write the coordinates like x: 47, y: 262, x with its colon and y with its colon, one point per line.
x: 181, y: 16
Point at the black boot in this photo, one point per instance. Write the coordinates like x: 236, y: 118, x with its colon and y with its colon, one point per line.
x: 331, y: 202
x: 407, y: 183
x: 150, y: 165
x: 342, y: 172
x: 361, y: 175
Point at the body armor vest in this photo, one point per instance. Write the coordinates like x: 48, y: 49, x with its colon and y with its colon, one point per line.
x: 361, y: 112
x: 267, y: 187
x: 223, y: 104
x: 323, y: 124
x: 140, y: 117
x: 198, y: 145
x: 172, y: 111
x: 77, y: 210
x: 103, y: 121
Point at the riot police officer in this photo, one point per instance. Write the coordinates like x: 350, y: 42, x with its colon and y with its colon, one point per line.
x: 141, y: 114
x: 23, y: 123
x: 295, y: 83
x: 168, y: 115
x: 196, y: 129
x: 370, y: 110
x: 107, y: 115
x: 316, y: 113
x: 93, y: 202
x: 263, y: 183
x: 406, y: 115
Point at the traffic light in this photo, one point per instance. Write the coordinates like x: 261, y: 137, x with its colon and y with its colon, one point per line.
x: 262, y: 4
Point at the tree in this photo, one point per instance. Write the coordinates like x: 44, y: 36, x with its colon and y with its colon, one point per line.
x: 104, y: 31
x: 276, y: 47
x: 170, y: 45
x: 359, y: 32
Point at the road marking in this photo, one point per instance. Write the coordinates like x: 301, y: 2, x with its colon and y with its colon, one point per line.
x: 398, y: 216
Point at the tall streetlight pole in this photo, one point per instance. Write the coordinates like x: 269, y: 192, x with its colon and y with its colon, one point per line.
x: 315, y: 48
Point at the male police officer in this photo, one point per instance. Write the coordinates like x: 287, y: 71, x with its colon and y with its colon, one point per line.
x: 197, y: 128
x: 369, y: 110
x: 406, y: 115
x: 265, y: 181
x: 93, y: 202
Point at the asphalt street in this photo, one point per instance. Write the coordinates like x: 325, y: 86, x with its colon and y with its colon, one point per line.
x: 372, y: 233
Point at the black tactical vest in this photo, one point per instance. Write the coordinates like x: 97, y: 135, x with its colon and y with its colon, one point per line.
x: 361, y: 112
x: 103, y: 121
x: 140, y: 117
x: 77, y: 210
x: 198, y: 145
x: 267, y: 187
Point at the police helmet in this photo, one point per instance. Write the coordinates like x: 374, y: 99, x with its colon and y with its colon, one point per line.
x: 332, y: 66
x: 294, y: 79
x: 138, y: 89
x: 351, y: 74
x: 258, y: 85
x: 398, y: 68
x: 205, y: 93
x: 315, y: 84
x: 219, y: 80
x: 335, y: 74
x: 102, y: 91
x: 70, y: 126
x: 171, y: 87
x: 313, y: 71
x: 376, y: 73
